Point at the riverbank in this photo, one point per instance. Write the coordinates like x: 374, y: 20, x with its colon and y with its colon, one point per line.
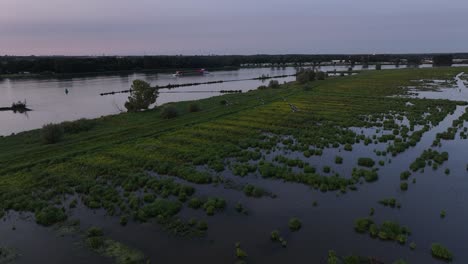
x: 277, y: 141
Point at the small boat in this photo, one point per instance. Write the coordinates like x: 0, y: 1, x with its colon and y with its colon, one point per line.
x: 190, y: 73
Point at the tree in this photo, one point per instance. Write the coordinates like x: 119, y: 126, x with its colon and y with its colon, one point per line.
x: 141, y: 97
x: 304, y: 76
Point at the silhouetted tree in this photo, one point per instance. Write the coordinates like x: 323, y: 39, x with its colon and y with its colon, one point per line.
x: 141, y: 96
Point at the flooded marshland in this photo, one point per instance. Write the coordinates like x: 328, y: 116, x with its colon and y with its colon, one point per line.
x: 327, y: 161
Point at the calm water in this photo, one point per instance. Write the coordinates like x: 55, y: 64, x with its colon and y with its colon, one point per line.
x: 51, y: 104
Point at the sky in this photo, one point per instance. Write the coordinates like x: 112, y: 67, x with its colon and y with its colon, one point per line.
x: 196, y: 27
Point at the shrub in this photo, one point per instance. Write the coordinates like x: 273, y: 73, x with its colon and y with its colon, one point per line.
x: 169, y: 112
x: 194, y: 108
x: 441, y: 252
x: 80, y: 125
x: 326, y: 169
x: 294, y: 224
x: 50, y: 216
x: 273, y: 84
x: 223, y: 102
x: 305, y: 76
x: 52, y: 133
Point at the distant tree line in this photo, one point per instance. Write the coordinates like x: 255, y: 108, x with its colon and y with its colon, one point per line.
x: 64, y: 65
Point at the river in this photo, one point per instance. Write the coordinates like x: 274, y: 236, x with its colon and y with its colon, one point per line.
x: 51, y: 104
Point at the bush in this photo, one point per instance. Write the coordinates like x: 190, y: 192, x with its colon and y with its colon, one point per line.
x: 194, y: 108
x: 305, y: 76
x: 169, y: 112
x: 294, y: 224
x: 50, y: 216
x: 441, y: 252
x: 223, y: 102
x: 273, y: 84
x: 80, y: 125
x: 52, y: 133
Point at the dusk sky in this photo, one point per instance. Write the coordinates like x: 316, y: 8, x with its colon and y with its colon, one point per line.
x: 136, y: 27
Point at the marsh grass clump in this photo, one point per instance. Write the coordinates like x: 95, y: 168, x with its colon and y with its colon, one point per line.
x: 240, y: 253
x: 213, y: 205
x: 294, y: 224
x: 52, y: 133
x: 368, y: 175
x: 338, y: 160
x: 94, y: 238
x: 366, y: 162
x: 389, y: 202
x: 50, y: 215
x: 441, y: 252
x: 443, y: 214
x: 348, y: 147
x: 404, y: 186
x: 405, y: 175
x: 253, y: 191
x: 275, y: 235
x: 361, y: 225
x: 387, y: 231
